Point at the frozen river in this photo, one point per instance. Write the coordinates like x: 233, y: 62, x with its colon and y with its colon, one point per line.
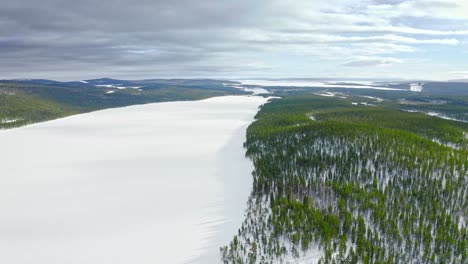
x: 155, y: 183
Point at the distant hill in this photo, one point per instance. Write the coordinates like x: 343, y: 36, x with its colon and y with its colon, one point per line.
x: 446, y: 88
x: 28, y: 101
x: 34, y: 100
x: 460, y: 80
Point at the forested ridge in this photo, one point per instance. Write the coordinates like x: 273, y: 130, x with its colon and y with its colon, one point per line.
x: 354, y: 184
x: 32, y: 101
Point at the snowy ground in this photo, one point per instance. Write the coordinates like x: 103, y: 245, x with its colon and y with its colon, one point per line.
x: 299, y: 83
x: 435, y: 114
x: 254, y: 91
x: 156, y: 183
x: 9, y: 120
x: 331, y: 94
x: 118, y: 86
x: 416, y: 87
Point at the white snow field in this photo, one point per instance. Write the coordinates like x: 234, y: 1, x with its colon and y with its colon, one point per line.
x: 155, y: 183
x: 307, y: 83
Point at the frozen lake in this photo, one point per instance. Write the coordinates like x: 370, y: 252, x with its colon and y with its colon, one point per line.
x: 156, y: 183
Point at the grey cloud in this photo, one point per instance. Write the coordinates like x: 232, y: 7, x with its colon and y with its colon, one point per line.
x: 390, y: 2
x: 64, y: 39
x: 371, y: 62
x: 97, y: 32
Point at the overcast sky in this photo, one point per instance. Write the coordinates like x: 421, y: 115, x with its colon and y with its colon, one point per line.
x: 80, y: 39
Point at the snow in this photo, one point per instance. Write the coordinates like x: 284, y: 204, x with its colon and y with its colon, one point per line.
x: 9, y: 120
x: 254, y: 91
x: 435, y: 114
x: 110, y: 92
x: 83, y: 82
x: 326, y: 94
x: 377, y: 99
x: 362, y: 103
x: 155, y: 183
x: 108, y: 85
x: 257, y: 91
x: 461, y: 222
x: 117, y: 86
x: 416, y: 87
x: 331, y: 94
x: 298, y: 83
x: 366, y: 104
x: 311, y: 256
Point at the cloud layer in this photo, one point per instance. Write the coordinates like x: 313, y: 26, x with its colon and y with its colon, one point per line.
x: 219, y: 38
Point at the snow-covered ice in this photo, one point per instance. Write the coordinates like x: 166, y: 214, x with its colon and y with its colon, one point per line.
x: 253, y: 90
x: 108, y: 85
x: 326, y: 94
x: 257, y: 91
x: 307, y: 83
x: 416, y: 87
x: 117, y: 86
x: 155, y: 183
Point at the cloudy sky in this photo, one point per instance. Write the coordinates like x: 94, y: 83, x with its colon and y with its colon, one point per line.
x: 80, y: 39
